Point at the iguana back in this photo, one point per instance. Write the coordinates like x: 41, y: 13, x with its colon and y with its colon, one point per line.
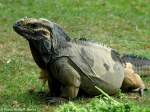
x: 97, y: 65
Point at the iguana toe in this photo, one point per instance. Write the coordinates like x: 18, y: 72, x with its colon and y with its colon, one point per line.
x: 55, y: 100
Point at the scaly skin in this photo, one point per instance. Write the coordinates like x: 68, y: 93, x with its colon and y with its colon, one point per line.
x: 71, y: 66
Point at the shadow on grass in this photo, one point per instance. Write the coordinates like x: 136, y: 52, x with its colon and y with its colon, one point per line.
x: 24, y: 99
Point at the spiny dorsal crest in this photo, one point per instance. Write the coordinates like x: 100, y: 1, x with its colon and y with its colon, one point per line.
x: 93, y: 43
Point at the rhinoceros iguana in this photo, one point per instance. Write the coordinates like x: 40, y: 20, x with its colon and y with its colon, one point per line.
x: 73, y: 66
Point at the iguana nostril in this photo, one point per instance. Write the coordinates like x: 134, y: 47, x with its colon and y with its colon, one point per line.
x: 16, y: 25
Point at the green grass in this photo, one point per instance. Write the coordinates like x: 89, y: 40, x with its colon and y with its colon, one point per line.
x: 121, y: 24
x: 100, y: 105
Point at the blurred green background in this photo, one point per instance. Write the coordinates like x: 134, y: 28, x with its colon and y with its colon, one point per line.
x: 121, y: 24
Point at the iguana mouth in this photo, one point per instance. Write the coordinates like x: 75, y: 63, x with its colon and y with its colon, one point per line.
x: 25, y: 32
x: 19, y: 29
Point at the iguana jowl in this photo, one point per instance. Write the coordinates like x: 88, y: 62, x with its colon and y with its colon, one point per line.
x: 72, y: 66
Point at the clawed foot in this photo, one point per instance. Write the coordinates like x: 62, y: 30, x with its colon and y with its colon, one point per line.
x: 55, y: 100
x: 140, y: 91
x: 51, y: 100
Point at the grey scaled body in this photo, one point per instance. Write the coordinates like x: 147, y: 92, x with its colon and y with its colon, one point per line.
x: 70, y: 65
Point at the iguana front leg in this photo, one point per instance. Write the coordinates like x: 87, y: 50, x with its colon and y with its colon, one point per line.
x: 68, y: 77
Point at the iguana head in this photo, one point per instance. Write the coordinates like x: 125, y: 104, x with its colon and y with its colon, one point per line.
x: 44, y: 35
x: 36, y: 29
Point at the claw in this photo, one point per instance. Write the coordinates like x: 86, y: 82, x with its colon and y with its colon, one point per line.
x: 55, y: 100
x: 141, y: 92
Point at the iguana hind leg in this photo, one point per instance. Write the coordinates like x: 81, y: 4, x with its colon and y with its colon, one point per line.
x: 132, y: 81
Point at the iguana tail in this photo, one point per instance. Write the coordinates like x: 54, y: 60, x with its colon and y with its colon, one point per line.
x: 141, y: 65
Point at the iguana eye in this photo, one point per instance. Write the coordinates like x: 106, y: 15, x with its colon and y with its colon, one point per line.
x: 32, y: 25
x: 44, y: 32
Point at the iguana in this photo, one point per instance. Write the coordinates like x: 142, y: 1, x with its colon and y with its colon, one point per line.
x: 74, y: 66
